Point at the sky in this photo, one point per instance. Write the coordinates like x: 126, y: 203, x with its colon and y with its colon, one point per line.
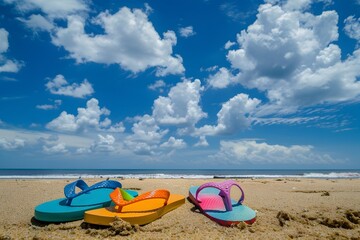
x: 182, y: 84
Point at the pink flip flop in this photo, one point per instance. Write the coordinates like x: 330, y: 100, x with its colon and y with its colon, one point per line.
x: 214, y: 201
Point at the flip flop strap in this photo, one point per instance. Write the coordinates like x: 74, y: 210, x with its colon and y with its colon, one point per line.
x: 70, y: 194
x: 118, y: 199
x: 224, y: 188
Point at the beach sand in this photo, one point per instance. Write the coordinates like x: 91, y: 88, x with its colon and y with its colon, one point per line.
x: 286, y: 209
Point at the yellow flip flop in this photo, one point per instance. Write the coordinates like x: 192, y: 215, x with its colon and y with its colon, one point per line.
x: 141, y: 210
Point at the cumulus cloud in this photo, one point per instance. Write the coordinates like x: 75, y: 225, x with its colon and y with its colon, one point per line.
x: 180, y: 108
x: 221, y: 79
x: 174, y: 143
x: 104, y: 144
x: 146, y: 136
x: 235, y: 115
x: 297, y: 4
x: 60, y: 86
x: 129, y: 40
x: 116, y: 128
x: 187, y: 31
x: 87, y: 118
x: 305, y: 67
x: 7, y: 65
x: 182, y: 105
x: 250, y: 151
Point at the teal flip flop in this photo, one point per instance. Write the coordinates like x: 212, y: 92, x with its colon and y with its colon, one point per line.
x: 73, y: 206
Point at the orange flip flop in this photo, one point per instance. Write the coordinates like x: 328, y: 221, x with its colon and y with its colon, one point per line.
x: 141, y: 210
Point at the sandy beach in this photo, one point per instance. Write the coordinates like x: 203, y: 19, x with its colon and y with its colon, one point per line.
x: 286, y: 209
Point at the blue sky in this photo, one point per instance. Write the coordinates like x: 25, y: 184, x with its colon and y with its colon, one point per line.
x: 186, y: 84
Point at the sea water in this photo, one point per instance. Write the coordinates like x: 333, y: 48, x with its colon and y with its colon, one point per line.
x: 176, y: 173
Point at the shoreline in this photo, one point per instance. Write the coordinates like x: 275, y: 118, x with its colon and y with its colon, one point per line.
x: 179, y: 173
x: 305, y: 208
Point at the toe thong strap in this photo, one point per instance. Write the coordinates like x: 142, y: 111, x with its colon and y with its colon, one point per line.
x: 70, y: 194
x: 224, y: 188
x: 117, y: 196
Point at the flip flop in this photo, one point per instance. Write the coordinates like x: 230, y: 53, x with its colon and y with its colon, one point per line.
x: 73, y: 206
x: 141, y: 210
x: 214, y: 201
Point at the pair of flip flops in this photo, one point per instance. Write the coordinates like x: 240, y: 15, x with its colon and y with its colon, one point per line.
x: 213, y: 199
x: 95, y: 204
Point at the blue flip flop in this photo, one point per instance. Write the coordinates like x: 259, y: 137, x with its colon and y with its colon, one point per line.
x: 73, y: 206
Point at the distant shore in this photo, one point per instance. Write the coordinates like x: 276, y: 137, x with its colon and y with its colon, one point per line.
x: 286, y: 208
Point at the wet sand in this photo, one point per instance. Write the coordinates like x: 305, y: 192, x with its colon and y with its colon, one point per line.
x: 286, y: 209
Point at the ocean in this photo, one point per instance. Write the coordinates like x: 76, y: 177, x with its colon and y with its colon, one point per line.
x: 176, y: 173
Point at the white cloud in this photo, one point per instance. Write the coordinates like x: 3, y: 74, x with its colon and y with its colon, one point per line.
x: 221, y: 79
x: 210, y: 69
x: 147, y: 130
x: 305, y: 67
x: 10, y: 66
x: 249, y: 151
x: 117, y: 128
x: 56, y: 148
x: 352, y: 27
x: 104, y: 144
x: 60, y: 86
x: 297, y: 4
x: 235, y: 115
x: 146, y: 136
x: 45, y: 141
x: 158, y: 85
x: 4, y: 43
x: 54, y: 9
x: 56, y: 104
x: 187, y: 31
x: 174, y: 143
x: 202, y: 142
x: 87, y: 118
x: 229, y: 44
x: 37, y: 23
x: 11, y: 144
x: 181, y: 107
x: 7, y: 65
x: 148, y: 8
x: 129, y: 40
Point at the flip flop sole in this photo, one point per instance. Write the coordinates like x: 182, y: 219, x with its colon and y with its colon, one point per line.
x: 140, y: 213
